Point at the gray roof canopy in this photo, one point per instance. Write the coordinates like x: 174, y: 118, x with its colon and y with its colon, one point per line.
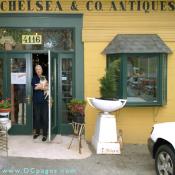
x: 136, y: 43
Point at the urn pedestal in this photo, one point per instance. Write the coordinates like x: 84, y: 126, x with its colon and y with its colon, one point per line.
x: 105, y: 139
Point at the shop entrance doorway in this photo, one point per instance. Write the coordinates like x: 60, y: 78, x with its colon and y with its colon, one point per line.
x: 15, y: 82
x: 47, y: 62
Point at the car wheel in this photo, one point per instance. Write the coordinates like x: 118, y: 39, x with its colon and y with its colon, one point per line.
x: 165, y: 160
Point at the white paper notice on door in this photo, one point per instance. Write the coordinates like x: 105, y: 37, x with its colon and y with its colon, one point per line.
x: 18, y: 78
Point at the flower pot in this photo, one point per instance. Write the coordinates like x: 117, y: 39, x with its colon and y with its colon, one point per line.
x: 5, y: 110
x: 78, y: 118
x: 4, y: 114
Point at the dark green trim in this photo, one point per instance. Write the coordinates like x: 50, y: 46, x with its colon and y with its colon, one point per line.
x: 59, y: 91
x: 163, y: 72
x: 33, y: 51
x: 54, y: 82
x: 124, y: 75
x: 2, y: 56
x: 66, y: 129
x: 159, y: 88
x: 79, y: 65
x: 38, y: 20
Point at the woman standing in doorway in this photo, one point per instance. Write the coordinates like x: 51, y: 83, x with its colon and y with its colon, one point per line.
x: 40, y: 104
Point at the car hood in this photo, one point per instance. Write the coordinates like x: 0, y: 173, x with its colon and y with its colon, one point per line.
x: 165, y: 131
x: 165, y: 125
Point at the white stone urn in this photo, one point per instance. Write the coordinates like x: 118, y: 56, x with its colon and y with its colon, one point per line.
x: 106, y: 137
x: 106, y: 105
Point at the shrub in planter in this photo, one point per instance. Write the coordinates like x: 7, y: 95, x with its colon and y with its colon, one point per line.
x: 109, y: 83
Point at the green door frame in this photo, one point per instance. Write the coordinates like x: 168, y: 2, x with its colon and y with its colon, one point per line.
x: 53, y: 103
x: 73, y: 21
x: 6, y: 56
x: 64, y: 128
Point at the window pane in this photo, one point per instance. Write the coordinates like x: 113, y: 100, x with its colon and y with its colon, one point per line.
x: 67, y: 92
x: 113, y: 63
x: 142, y: 79
x: 18, y: 90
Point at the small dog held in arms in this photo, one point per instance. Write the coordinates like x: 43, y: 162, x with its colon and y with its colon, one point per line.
x: 44, y: 83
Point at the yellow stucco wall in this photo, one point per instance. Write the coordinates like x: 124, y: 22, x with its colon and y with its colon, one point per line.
x: 98, y: 31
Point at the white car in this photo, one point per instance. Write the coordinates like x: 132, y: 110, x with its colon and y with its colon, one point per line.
x: 161, y: 145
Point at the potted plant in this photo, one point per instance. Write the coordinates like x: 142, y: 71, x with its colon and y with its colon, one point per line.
x: 5, y: 108
x: 109, y: 85
x: 5, y: 105
x: 76, y: 108
x: 8, y: 42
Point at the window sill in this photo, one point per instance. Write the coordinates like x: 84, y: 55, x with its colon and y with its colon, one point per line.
x: 138, y: 104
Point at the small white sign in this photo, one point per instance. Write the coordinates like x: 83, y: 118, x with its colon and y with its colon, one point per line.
x: 18, y: 78
x: 64, y: 78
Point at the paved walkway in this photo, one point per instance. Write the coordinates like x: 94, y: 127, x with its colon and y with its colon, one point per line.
x: 134, y: 160
x: 25, y: 146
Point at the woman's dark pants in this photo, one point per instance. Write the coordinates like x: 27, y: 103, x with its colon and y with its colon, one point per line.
x: 40, y: 117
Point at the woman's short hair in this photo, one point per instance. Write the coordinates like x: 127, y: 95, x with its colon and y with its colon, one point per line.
x: 38, y: 66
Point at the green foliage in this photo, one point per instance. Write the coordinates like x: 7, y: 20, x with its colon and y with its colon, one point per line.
x: 5, y: 103
x: 110, y: 81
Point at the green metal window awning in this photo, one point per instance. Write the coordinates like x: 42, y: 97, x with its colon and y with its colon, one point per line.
x: 137, y: 43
